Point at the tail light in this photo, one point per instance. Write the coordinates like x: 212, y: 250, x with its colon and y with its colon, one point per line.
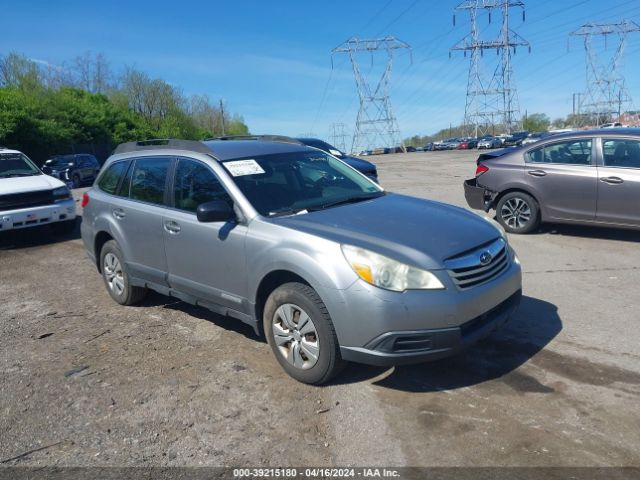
x: 480, y: 169
x: 85, y: 200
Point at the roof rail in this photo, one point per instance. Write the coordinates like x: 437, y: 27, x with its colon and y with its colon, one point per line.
x: 161, y: 143
x: 266, y: 138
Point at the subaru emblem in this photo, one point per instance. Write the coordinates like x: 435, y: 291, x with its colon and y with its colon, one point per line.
x: 485, y: 258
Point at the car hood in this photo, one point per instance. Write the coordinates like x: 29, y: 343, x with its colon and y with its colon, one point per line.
x: 28, y: 184
x: 419, y: 232
x: 359, y: 164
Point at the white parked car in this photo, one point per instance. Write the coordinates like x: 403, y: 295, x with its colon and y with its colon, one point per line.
x: 29, y: 198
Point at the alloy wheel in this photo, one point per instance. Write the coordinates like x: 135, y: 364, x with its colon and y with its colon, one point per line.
x: 516, y: 213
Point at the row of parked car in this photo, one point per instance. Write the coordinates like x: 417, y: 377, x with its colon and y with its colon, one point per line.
x: 487, y: 141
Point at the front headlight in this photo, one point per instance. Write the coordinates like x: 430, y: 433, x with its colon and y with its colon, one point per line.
x: 386, y: 273
x: 61, y: 193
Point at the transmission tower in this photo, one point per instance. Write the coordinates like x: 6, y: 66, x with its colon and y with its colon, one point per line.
x: 376, y: 126
x: 606, y: 97
x: 339, y: 136
x: 490, y: 99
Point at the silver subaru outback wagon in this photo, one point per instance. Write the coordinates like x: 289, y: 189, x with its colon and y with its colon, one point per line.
x: 321, y: 260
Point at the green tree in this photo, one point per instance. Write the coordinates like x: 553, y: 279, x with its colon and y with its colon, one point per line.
x: 536, y: 122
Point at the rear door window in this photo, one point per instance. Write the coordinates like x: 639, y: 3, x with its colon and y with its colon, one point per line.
x: 109, y: 180
x: 148, y: 179
x: 571, y: 152
x: 621, y: 153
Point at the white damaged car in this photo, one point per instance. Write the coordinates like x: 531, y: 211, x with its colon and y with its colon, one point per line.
x: 29, y: 198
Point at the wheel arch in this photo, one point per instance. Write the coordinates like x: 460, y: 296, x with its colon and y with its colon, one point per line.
x: 268, y: 284
x: 518, y: 188
x: 101, y: 238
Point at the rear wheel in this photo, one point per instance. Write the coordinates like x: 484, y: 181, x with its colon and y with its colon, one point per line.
x: 116, y: 277
x: 301, y: 334
x: 518, y: 212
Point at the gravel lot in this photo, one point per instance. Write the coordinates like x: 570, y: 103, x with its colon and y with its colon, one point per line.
x: 88, y: 382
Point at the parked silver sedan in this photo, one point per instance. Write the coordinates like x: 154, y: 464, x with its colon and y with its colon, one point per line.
x: 587, y: 177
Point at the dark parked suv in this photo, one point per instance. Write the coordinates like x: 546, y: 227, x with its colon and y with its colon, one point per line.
x: 363, y: 166
x: 588, y: 177
x: 75, y: 170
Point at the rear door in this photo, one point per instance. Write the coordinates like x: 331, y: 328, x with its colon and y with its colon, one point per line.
x: 206, y: 260
x: 138, y: 213
x: 564, y: 177
x: 619, y: 182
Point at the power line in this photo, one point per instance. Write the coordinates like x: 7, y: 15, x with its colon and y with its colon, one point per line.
x: 492, y: 99
x: 375, y: 123
x: 606, y: 96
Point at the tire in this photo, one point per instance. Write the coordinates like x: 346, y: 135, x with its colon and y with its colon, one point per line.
x: 518, y: 212
x: 286, y: 307
x: 76, y: 181
x: 64, y: 228
x: 116, y: 278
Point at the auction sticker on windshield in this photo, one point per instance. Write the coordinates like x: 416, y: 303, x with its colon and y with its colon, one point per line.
x: 239, y: 168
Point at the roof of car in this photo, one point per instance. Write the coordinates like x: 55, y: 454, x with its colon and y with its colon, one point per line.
x: 230, y: 149
x: 223, y: 148
x: 8, y: 150
x: 599, y: 131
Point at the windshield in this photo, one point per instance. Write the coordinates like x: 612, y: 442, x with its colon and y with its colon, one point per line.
x: 288, y: 183
x: 58, y: 162
x: 16, y: 165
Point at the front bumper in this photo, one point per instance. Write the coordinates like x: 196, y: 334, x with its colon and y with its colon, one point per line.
x: 380, y: 327
x: 34, y: 216
x: 477, y: 196
x: 407, y: 347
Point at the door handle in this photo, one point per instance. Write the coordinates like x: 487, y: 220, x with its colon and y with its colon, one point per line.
x: 612, y: 180
x: 119, y: 213
x: 172, y: 227
x: 537, y: 173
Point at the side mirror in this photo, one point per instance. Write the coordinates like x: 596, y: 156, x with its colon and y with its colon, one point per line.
x: 214, y: 211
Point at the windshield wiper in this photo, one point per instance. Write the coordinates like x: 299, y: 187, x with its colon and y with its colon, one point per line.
x: 344, y: 201
x: 287, y: 211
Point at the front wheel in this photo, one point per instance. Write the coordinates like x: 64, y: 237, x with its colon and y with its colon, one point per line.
x: 301, y: 334
x: 518, y: 212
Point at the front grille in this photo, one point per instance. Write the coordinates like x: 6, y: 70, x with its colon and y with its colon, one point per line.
x: 14, y: 201
x: 468, y: 271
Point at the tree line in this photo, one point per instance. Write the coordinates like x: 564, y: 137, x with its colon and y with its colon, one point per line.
x: 83, y: 104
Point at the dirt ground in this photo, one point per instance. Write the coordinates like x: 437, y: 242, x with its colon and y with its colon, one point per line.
x: 88, y: 382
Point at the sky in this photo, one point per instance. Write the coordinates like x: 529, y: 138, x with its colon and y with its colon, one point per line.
x: 271, y: 61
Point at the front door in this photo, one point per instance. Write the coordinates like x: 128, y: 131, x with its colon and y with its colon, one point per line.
x: 619, y: 182
x: 564, y: 178
x: 206, y: 260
